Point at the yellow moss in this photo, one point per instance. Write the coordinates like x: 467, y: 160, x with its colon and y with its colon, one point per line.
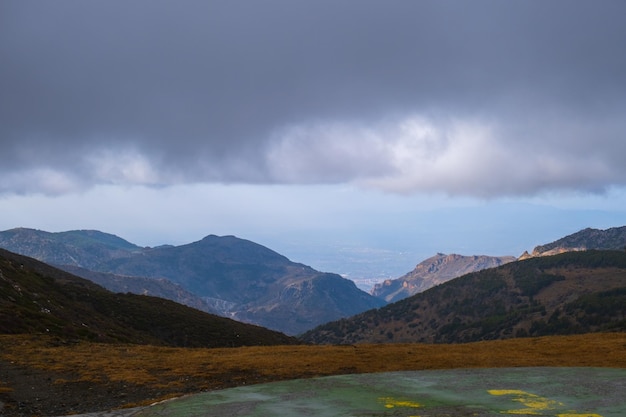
x: 535, y: 404
x: 391, y: 402
x: 578, y: 415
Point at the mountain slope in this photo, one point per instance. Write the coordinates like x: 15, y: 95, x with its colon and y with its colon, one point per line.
x: 434, y: 271
x: 575, y: 292
x: 234, y: 277
x: 249, y: 282
x: 82, y: 252
x: 37, y: 298
x: 156, y: 287
x: 609, y: 239
x: 84, y: 248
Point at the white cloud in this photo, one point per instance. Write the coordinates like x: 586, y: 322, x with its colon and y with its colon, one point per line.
x: 326, y: 152
x: 454, y: 156
x: 40, y: 180
x: 122, y: 167
x: 405, y: 155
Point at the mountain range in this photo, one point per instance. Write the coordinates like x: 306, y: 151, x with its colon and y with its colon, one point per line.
x: 442, y: 267
x: 573, y: 292
x: 233, y: 277
x: 245, y: 281
x: 36, y: 298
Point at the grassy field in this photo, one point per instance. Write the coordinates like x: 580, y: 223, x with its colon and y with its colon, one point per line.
x: 159, y: 372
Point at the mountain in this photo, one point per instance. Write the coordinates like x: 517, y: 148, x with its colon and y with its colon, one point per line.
x: 77, y: 250
x: 157, y: 287
x: 38, y: 298
x: 235, y: 277
x: 84, y: 248
x: 574, y: 292
x: 613, y: 238
x: 434, y: 271
x: 252, y: 283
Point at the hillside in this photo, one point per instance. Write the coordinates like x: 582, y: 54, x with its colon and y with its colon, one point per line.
x: 251, y: 283
x: 157, y: 287
x: 77, y: 251
x: 575, y: 292
x: 609, y: 239
x: 234, y: 277
x: 37, y: 298
x: 434, y: 271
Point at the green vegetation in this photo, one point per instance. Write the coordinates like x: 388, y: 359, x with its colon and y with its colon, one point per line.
x: 581, y: 259
x: 594, y: 309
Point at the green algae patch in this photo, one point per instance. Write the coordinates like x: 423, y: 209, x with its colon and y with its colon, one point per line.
x: 556, y: 392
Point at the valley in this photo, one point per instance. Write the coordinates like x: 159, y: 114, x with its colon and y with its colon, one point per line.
x: 68, y: 345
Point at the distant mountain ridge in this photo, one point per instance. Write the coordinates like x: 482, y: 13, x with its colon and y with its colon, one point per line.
x: 83, y: 248
x: 235, y: 277
x: 574, y: 292
x: 611, y: 239
x: 434, y: 271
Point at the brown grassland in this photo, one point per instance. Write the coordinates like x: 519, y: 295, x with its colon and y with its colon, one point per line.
x: 132, y: 375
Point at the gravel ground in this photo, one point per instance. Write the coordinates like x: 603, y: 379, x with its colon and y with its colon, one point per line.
x: 122, y: 412
x: 34, y: 393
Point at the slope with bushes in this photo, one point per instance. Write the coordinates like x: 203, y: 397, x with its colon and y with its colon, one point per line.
x: 37, y: 298
x: 613, y: 238
x: 575, y: 292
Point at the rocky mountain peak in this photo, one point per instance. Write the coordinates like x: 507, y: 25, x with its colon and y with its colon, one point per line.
x: 609, y: 239
x: 434, y: 271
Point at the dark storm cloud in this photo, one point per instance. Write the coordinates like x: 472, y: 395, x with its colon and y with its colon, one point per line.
x: 479, y: 98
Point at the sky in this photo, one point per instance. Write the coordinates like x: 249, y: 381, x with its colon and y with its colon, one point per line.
x: 355, y: 136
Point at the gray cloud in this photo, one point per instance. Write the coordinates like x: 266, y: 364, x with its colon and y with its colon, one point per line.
x: 476, y: 98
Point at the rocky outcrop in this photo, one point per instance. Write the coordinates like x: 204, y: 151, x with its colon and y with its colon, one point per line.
x: 434, y: 271
x: 609, y: 239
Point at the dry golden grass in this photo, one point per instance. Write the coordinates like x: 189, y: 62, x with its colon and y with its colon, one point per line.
x: 171, y: 371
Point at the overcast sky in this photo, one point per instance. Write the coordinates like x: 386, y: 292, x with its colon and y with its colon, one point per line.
x: 394, y: 125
